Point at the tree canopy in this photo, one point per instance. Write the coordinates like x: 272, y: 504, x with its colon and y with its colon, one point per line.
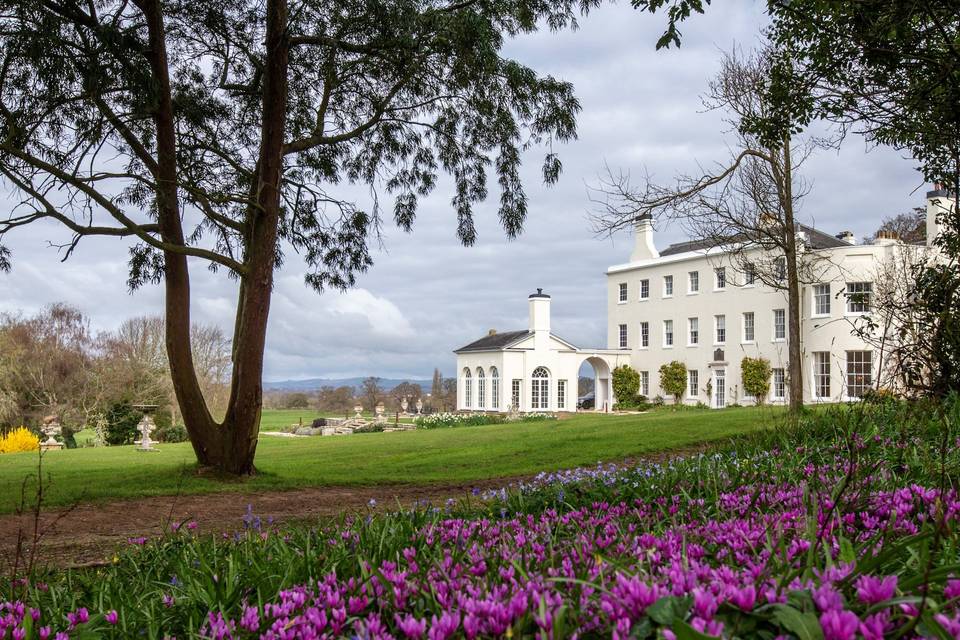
x: 236, y: 132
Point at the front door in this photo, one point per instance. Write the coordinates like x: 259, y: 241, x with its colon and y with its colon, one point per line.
x: 719, y: 388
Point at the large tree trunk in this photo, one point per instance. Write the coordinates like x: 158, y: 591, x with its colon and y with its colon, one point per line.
x: 239, y: 431
x: 200, y: 425
x: 795, y: 348
x: 228, y: 447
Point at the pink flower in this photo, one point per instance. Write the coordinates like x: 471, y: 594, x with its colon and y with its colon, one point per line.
x: 744, y: 598
x: 872, y: 590
x: 952, y: 590
x: 445, y: 627
x: 827, y: 598
x: 411, y: 627
x: 952, y: 625
x: 250, y: 620
x: 875, y: 626
x: 111, y: 617
x: 839, y: 625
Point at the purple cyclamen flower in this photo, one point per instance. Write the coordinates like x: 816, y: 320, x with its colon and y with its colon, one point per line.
x: 445, y: 627
x: 744, y: 598
x: 250, y: 620
x: 952, y: 625
x: 411, y: 627
x: 827, y: 598
x: 952, y: 590
x: 872, y: 590
x: 839, y: 625
x: 111, y: 617
x: 875, y: 627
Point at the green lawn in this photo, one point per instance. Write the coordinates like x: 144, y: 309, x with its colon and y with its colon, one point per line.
x: 277, y: 419
x: 460, y: 454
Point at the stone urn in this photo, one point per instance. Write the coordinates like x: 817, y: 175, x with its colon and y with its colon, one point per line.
x: 358, y: 411
x: 404, y: 405
x: 51, y: 428
x: 419, y: 405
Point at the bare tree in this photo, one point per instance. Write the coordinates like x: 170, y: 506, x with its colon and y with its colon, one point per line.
x: 137, y: 357
x: 335, y: 398
x: 46, y: 366
x: 906, y: 337
x: 409, y: 390
x: 910, y: 226
x: 744, y: 210
x: 371, y: 391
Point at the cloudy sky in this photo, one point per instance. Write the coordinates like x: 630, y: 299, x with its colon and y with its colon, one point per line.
x: 425, y: 294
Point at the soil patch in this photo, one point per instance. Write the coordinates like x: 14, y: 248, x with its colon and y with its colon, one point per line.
x: 91, y: 533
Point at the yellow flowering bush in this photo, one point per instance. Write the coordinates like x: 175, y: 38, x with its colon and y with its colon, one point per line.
x: 21, y: 439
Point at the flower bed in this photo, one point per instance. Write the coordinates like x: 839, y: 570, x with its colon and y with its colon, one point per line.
x: 442, y: 420
x: 843, y: 528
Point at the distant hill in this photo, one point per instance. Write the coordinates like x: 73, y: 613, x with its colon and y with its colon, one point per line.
x: 312, y: 384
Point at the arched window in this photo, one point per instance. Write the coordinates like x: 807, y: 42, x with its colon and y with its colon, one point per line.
x: 494, y: 388
x: 481, y: 388
x: 467, y: 389
x: 540, y: 389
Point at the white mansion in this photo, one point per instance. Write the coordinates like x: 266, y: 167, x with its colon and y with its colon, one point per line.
x: 698, y: 306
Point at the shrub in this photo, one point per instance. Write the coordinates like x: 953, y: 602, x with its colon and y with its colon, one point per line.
x: 673, y: 379
x: 17, y: 440
x: 626, y: 384
x: 319, y: 423
x: 122, y: 421
x: 69, y: 437
x: 370, y: 428
x: 171, y: 433
x: 756, y: 373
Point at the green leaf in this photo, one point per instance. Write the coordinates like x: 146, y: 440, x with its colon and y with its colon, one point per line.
x: 803, y: 625
x: 666, y: 609
x: 847, y: 554
x: 684, y: 631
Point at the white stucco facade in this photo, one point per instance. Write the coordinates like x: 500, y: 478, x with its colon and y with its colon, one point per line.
x: 717, y: 316
x: 701, y: 308
x: 530, y: 370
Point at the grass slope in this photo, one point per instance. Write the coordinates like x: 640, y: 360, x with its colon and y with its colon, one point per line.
x: 462, y: 454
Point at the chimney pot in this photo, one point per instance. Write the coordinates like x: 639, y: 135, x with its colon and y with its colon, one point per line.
x: 492, y: 332
x: 847, y: 236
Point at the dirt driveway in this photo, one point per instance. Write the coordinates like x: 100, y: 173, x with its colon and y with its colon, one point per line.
x: 90, y: 533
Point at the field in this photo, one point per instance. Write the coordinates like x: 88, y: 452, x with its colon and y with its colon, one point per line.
x: 278, y: 419
x: 461, y: 454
